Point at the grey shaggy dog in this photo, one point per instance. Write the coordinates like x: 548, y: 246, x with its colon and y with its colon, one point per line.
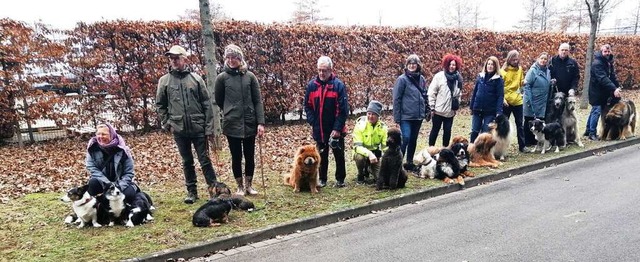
x: 391, y: 174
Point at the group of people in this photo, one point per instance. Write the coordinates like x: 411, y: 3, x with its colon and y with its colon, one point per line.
x: 185, y: 109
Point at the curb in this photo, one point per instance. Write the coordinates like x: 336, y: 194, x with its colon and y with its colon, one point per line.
x: 241, y: 239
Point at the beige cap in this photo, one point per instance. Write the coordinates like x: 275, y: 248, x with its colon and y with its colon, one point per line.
x: 177, y: 50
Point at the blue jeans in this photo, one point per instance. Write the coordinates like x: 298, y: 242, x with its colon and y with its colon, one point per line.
x: 592, y: 121
x: 410, y: 130
x: 480, y: 122
x: 518, y: 118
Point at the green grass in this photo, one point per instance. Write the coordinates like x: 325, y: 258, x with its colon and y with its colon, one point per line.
x: 32, y: 227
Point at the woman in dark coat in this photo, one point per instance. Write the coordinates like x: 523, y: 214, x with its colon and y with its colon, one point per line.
x: 237, y: 93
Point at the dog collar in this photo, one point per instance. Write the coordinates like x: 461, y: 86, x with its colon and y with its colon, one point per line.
x: 86, y: 201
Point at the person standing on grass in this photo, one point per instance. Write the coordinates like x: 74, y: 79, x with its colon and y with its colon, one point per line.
x: 237, y: 92
x: 513, y: 76
x: 604, y: 89
x: 487, y: 97
x: 184, y: 108
x: 537, y: 83
x: 369, y: 140
x: 325, y: 103
x: 444, y: 98
x: 410, y: 106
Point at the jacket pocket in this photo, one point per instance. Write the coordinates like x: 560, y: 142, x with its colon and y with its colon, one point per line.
x: 197, y: 122
x: 176, y: 123
x: 174, y: 92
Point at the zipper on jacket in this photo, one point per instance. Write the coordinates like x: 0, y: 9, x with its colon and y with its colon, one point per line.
x: 185, y: 102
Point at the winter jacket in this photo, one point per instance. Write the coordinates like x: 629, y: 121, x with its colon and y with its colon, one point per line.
x: 368, y: 137
x: 409, y: 100
x: 537, y: 83
x: 488, y: 95
x: 566, y: 73
x: 183, y: 103
x: 97, y: 167
x: 439, y: 94
x: 603, y: 80
x: 237, y: 93
x: 325, y: 103
x: 513, y: 79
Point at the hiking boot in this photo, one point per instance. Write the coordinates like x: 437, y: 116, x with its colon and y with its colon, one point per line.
x: 340, y: 184
x: 240, y: 186
x: 191, y: 198
x: 593, y: 137
x: 322, y: 183
x: 248, y: 188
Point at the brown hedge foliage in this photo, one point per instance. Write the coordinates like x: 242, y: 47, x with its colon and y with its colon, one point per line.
x: 125, y: 58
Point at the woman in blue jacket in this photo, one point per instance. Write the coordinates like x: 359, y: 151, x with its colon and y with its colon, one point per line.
x: 487, y: 97
x: 537, y: 83
x: 410, y: 105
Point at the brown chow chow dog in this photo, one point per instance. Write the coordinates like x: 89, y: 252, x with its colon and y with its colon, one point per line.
x: 304, y: 175
x: 481, y: 151
x: 620, y: 121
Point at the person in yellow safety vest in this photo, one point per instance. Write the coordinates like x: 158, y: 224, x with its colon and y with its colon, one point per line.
x: 369, y: 140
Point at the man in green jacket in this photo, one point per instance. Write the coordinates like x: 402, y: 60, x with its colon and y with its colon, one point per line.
x: 369, y: 139
x: 184, y: 107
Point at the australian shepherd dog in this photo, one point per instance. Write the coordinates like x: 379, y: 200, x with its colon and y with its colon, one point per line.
x: 547, y: 135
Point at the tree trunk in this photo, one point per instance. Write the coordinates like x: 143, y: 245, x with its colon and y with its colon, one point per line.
x: 594, y: 12
x: 210, y: 65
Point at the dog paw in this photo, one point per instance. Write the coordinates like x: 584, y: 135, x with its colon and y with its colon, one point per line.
x: 149, y: 217
x: 81, y: 225
x: 152, y: 208
x: 110, y: 224
x: 68, y: 220
x: 580, y: 144
x: 129, y: 224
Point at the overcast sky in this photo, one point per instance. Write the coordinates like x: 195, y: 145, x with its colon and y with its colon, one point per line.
x: 64, y: 14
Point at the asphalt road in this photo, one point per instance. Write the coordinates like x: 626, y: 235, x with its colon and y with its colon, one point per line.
x: 586, y: 210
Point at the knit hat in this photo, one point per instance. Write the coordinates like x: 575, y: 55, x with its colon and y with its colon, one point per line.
x: 374, y: 107
x: 413, y: 59
x: 233, y: 50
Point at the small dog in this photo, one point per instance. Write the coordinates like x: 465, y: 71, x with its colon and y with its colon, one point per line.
x: 114, y: 205
x: 392, y: 175
x: 620, y: 121
x: 84, y: 205
x: 217, y: 210
x: 218, y: 188
x: 481, y: 151
x: 462, y: 154
x: 427, y: 164
x: 570, y: 120
x: 140, y: 210
x: 501, y: 131
x: 448, y: 167
x: 304, y: 174
x: 547, y: 135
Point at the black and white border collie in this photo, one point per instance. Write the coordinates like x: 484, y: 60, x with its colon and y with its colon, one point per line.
x: 547, y: 135
x: 140, y: 210
x: 84, y: 206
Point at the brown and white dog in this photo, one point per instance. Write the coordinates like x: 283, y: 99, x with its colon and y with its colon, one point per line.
x: 481, y: 151
x: 501, y: 131
x: 620, y: 121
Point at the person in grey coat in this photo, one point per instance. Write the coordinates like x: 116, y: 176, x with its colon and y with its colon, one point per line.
x: 537, y: 83
x: 184, y: 107
x: 410, y: 106
x: 237, y: 93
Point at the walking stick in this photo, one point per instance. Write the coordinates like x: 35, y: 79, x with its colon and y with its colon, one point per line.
x: 264, y: 186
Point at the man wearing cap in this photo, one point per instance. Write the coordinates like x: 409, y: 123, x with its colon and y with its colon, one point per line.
x: 325, y: 103
x: 369, y: 138
x: 184, y: 108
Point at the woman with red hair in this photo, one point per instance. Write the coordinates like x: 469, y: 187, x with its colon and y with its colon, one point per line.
x: 444, y: 98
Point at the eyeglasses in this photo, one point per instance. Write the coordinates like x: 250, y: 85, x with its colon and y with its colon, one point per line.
x: 327, y: 70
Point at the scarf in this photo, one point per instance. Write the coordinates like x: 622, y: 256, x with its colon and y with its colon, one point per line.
x: 117, y: 142
x: 414, y: 77
x: 451, y: 79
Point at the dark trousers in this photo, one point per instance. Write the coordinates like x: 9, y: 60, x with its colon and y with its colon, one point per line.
x: 518, y: 118
x: 338, y: 154
x: 480, y: 123
x: 446, y: 123
x: 237, y: 146
x: 96, y: 187
x: 529, y: 137
x: 410, y: 130
x: 201, y: 146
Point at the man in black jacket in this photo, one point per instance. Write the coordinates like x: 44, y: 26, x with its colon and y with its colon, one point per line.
x: 564, y: 70
x: 603, y: 85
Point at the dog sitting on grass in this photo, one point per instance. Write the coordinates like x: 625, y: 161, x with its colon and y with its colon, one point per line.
x: 304, y: 174
x: 391, y: 174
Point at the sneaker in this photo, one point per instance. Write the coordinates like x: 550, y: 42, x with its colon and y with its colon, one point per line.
x: 191, y: 198
x: 593, y: 137
x: 322, y: 183
x: 340, y: 184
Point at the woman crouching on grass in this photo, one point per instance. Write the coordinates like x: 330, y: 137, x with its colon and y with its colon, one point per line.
x: 109, y: 161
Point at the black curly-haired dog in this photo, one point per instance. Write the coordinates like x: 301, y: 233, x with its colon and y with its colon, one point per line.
x: 217, y: 209
x: 391, y: 174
